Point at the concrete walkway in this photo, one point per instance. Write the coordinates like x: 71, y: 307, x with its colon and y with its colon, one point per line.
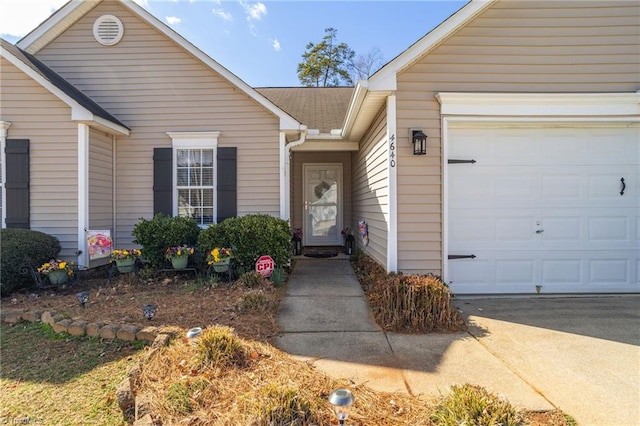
x: 581, y: 355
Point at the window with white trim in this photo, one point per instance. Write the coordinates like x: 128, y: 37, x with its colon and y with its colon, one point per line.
x: 194, y: 175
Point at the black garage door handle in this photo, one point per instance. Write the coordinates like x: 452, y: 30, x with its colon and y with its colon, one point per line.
x: 624, y: 186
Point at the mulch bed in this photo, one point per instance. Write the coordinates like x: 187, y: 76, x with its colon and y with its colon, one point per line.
x: 182, y: 300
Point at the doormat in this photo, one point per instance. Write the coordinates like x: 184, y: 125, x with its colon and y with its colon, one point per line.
x: 320, y: 255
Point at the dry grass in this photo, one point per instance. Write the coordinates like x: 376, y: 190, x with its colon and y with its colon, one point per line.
x: 407, y: 303
x: 234, y: 381
x: 262, y: 386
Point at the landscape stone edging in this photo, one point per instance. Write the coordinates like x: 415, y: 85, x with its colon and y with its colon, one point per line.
x: 126, y: 332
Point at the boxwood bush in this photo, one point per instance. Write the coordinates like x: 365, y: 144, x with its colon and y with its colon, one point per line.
x: 250, y: 237
x: 20, y: 248
x: 161, y: 232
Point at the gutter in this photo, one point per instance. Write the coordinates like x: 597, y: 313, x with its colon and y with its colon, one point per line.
x: 357, y: 100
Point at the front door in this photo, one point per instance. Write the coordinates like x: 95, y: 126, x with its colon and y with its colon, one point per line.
x: 322, y: 204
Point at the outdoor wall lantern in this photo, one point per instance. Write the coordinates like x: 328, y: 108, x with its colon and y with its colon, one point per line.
x: 342, y: 400
x: 83, y: 297
x: 419, y: 142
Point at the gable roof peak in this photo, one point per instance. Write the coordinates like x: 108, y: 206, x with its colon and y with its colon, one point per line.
x: 72, y: 11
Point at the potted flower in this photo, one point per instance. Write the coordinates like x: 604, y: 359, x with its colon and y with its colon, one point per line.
x: 220, y: 258
x: 179, y: 256
x: 124, y: 259
x: 56, y: 270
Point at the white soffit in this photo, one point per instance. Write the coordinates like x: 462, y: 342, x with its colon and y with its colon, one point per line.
x: 55, y: 25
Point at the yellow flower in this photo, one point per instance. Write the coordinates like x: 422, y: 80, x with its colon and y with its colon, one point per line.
x: 62, y: 265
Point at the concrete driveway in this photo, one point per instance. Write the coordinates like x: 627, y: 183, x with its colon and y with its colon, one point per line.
x: 581, y: 353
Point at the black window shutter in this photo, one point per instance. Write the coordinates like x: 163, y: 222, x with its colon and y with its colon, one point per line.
x: 163, y: 181
x: 17, y: 184
x: 227, y: 183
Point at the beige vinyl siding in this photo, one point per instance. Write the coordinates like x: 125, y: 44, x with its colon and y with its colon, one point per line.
x: 370, y: 195
x: 515, y: 46
x: 100, y: 181
x: 297, y: 201
x: 39, y: 116
x: 154, y: 86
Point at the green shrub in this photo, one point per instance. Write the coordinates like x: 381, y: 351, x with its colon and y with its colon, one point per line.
x: 178, y: 398
x: 161, y: 232
x: 250, y: 237
x: 473, y: 405
x: 219, y: 347
x: 277, y: 277
x: 253, y: 280
x: 280, y: 404
x: 407, y: 303
x: 256, y: 300
x: 20, y: 248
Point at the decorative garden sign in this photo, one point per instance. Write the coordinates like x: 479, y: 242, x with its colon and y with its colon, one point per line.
x: 264, y: 266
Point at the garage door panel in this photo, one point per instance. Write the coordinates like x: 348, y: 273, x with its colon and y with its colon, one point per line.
x: 514, y: 228
x: 542, y: 207
x: 558, y: 145
x: 562, y: 187
x: 515, y: 272
x: 609, y: 271
x: 477, y: 228
x: 470, y: 273
x: 562, y: 229
x: 613, y: 146
x: 562, y: 271
x: 609, y: 229
x: 607, y: 186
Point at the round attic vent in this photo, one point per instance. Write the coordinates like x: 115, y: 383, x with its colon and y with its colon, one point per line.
x: 108, y: 30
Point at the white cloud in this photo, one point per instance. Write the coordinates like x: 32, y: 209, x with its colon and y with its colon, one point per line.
x: 276, y: 45
x: 173, y: 20
x: 19, y: 17
x: 254, y: 11
x: 227, y: 16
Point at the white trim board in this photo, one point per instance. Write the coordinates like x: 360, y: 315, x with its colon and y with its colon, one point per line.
x: 551, y: 105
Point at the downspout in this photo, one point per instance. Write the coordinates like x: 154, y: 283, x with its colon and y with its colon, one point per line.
x: 286, y: 152
x: 83, y: 194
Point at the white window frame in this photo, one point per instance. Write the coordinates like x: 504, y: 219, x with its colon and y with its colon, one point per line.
x: 194, y: 140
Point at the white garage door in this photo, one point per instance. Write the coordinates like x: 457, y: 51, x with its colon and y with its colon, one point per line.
x: 555, y: 210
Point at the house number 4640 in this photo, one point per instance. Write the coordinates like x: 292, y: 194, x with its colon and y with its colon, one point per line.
x: 392, y: 150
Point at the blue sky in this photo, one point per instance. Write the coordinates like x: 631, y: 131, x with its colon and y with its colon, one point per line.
x: 262, y: 42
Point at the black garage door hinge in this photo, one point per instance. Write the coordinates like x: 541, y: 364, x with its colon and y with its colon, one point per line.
x: 462, y: 256
x: 461, y: 161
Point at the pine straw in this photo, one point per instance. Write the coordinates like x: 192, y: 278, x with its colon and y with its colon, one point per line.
x: 241, y: 394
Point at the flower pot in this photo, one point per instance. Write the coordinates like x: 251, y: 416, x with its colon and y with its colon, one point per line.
x: 222, y: 265
x: 179, y: 262
x: 58, y: 276
x: 125, y: 265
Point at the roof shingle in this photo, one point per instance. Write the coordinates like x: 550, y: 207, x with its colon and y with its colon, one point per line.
x: 322, y: 108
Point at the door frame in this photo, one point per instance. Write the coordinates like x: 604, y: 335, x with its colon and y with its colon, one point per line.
x: 306, y: 238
